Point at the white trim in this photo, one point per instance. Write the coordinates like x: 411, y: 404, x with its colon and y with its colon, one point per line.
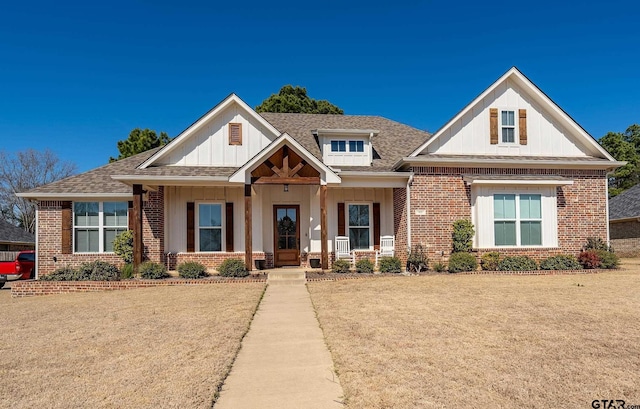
x: 492, y: 162
x: 222, y: 225
x: 370, y: 226
x: 345, y: 132
x: 502, y: 126
x: 547, y: 103
x: 551, y: 182
x: 65, y: 196
x: 37, y: 275
x: 233, y: 98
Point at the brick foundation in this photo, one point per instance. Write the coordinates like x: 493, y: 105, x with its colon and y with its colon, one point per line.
x: 213, y: 260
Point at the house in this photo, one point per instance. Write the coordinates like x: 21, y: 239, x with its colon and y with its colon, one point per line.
x: 624, y: 222
x: 282, y: 187
x: 14, y: 238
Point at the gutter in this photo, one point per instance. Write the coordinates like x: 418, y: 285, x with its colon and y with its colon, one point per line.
x: 60, y: 195
x: 510, y: 163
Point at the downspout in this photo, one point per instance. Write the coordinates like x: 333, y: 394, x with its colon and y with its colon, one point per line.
x: 409, y: 212
x: 36, y: 276
x: 606, y: 182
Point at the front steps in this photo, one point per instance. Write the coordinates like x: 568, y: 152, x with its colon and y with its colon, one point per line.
x: 283, y: 277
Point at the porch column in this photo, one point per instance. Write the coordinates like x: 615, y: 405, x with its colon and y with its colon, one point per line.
x: 247, y: 228
x: 323, y: 228
x: 138, y: 244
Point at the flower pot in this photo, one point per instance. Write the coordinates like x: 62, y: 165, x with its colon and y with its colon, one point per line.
x: 260, y: 264
x: 314, y: 262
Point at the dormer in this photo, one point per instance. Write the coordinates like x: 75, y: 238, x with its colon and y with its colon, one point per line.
x: 346, y: 147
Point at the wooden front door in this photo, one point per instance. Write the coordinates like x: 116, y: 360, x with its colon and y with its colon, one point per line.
x: 286, y: 237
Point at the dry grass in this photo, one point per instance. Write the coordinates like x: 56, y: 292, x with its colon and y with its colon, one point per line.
x: 160, y: 347
x: 484, y: 341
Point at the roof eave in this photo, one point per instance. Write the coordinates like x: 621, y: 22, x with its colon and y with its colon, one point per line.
x: 172, y: 180
x: 507, y: 163
x: 59, y: 195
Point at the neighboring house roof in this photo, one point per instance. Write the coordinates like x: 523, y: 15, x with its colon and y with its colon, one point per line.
x: 626, y: 205
x: 13, y: 234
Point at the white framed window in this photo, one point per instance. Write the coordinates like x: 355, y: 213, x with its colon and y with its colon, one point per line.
x: 210, y: 226
x: 356, y: 146
x: 96, y: 224
x: 338, y: 146
x: 359, y: 225
x: 508, y: 126
x: 517, y: 219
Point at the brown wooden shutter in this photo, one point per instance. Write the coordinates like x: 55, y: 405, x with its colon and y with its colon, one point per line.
x: 341, y: 219
x: 130, y: 214
x: 229, y: 226
x: 376, y: 226
x: 235, y: 134
x: 191, y: 232
x: 67, y: 228
x: 493, y: 125
x: 522, y: 115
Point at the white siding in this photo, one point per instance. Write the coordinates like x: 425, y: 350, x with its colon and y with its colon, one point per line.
x: 346, y: 158
x: 470, y: 134
x: 209, y: 146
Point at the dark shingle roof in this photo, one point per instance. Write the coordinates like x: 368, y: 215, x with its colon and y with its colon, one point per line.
x: 394, y: 140
x: 626, y: 204
x: 12, y: 234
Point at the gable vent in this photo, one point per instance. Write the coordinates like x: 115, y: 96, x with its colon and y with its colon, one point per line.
x: 235, y: 134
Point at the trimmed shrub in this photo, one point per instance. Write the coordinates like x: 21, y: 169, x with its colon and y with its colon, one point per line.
x: 99, y: 271
x: 439, y: 267
x: 123, y: 246
x: 340, y: 266
x: 390, y: 265
x: 608, y: 259
x: 517, y: 263
x: 462, y: 236
x: 127, y: 271
x: 417, y: 260
x: 233, y: 267
x: 596, y: 243
x: 65, y: 273
x: 589, y: 259
x: 152, y: 271
x: 364, y: 266
x: 490, y: 261
x: 459, y: 262
x: 192, y: 269
x: 561, y: 262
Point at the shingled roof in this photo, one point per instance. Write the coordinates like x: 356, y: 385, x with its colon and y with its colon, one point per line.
x: 393, y: 141
x: 12, y: 234
x: 626, y: 205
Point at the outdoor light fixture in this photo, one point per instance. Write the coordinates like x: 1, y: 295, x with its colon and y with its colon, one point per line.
x: 286, y: 188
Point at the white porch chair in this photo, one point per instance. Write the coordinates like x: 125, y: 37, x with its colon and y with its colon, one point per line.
x: 387, y: 247
x: 343, y: 249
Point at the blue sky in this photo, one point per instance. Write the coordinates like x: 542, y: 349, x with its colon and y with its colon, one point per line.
x: 76, y: 77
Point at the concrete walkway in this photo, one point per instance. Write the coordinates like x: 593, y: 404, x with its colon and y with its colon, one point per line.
x: 284, y: 362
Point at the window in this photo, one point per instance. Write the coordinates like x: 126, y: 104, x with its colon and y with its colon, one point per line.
x: 359, y: 227
x: 508, y: 126
x: 338, y: 146
x: 96, y: 224
x: 517, y: 219
x: 356, y: 146
x: 210, y: 226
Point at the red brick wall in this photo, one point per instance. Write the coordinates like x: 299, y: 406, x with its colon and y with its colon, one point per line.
x: 153, y: 226
x: 213, y: 260
x: 625, y: 238
x: 400, y: 223
x: 445, y: 197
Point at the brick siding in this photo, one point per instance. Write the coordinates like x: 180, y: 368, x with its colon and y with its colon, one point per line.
x: 625, y: 237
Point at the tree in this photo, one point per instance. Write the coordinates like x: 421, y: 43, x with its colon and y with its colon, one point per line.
x: 24, y: 171
x: 296, y: 100
x: 624, y: 147
x: 140, y: 140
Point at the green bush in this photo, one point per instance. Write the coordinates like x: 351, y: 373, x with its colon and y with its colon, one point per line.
x: 65, y: 273
x: 233, y: 267
x: 417, y: 260
x: 517, y: 263
x: 390, y: 265
x: 439, y: 267
x: 364, y: 266
x: 192, y: 269
x: 490, y: 261
x: 462, y: 236
x: 127, y: 271
x: 152, y: 271
x: 340, y: 266
x: 462, y: 262
x: 93, y: 271
x: 123, y: 246
x: 589, y: 259
x: 561, y: 262
x: 608, y: 259
x: 596, y: 243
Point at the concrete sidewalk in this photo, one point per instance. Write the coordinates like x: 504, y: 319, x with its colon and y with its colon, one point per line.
x: 284, y: 362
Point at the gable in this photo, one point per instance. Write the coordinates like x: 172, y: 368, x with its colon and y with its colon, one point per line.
x: 540, y: 127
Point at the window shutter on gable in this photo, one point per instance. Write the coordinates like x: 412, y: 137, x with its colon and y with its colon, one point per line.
x: 229, y: 226
x: 191, y: 233
x: 376, y: 226
x: 341, y: 229
x: 67, y: 227
x: 493, y: 125
x: 522, y: 125
x: 235, y: 133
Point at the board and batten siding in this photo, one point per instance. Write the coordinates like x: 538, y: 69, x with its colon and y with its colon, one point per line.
x: 470, y: 134
x: 209, y: 146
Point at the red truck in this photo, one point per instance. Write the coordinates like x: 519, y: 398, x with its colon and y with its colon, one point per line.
x: 22, y: 267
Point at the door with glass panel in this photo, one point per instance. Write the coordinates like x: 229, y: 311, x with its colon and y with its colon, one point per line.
x: 286, y: 235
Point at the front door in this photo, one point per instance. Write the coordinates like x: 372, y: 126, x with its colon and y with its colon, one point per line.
x: 286, y: 235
